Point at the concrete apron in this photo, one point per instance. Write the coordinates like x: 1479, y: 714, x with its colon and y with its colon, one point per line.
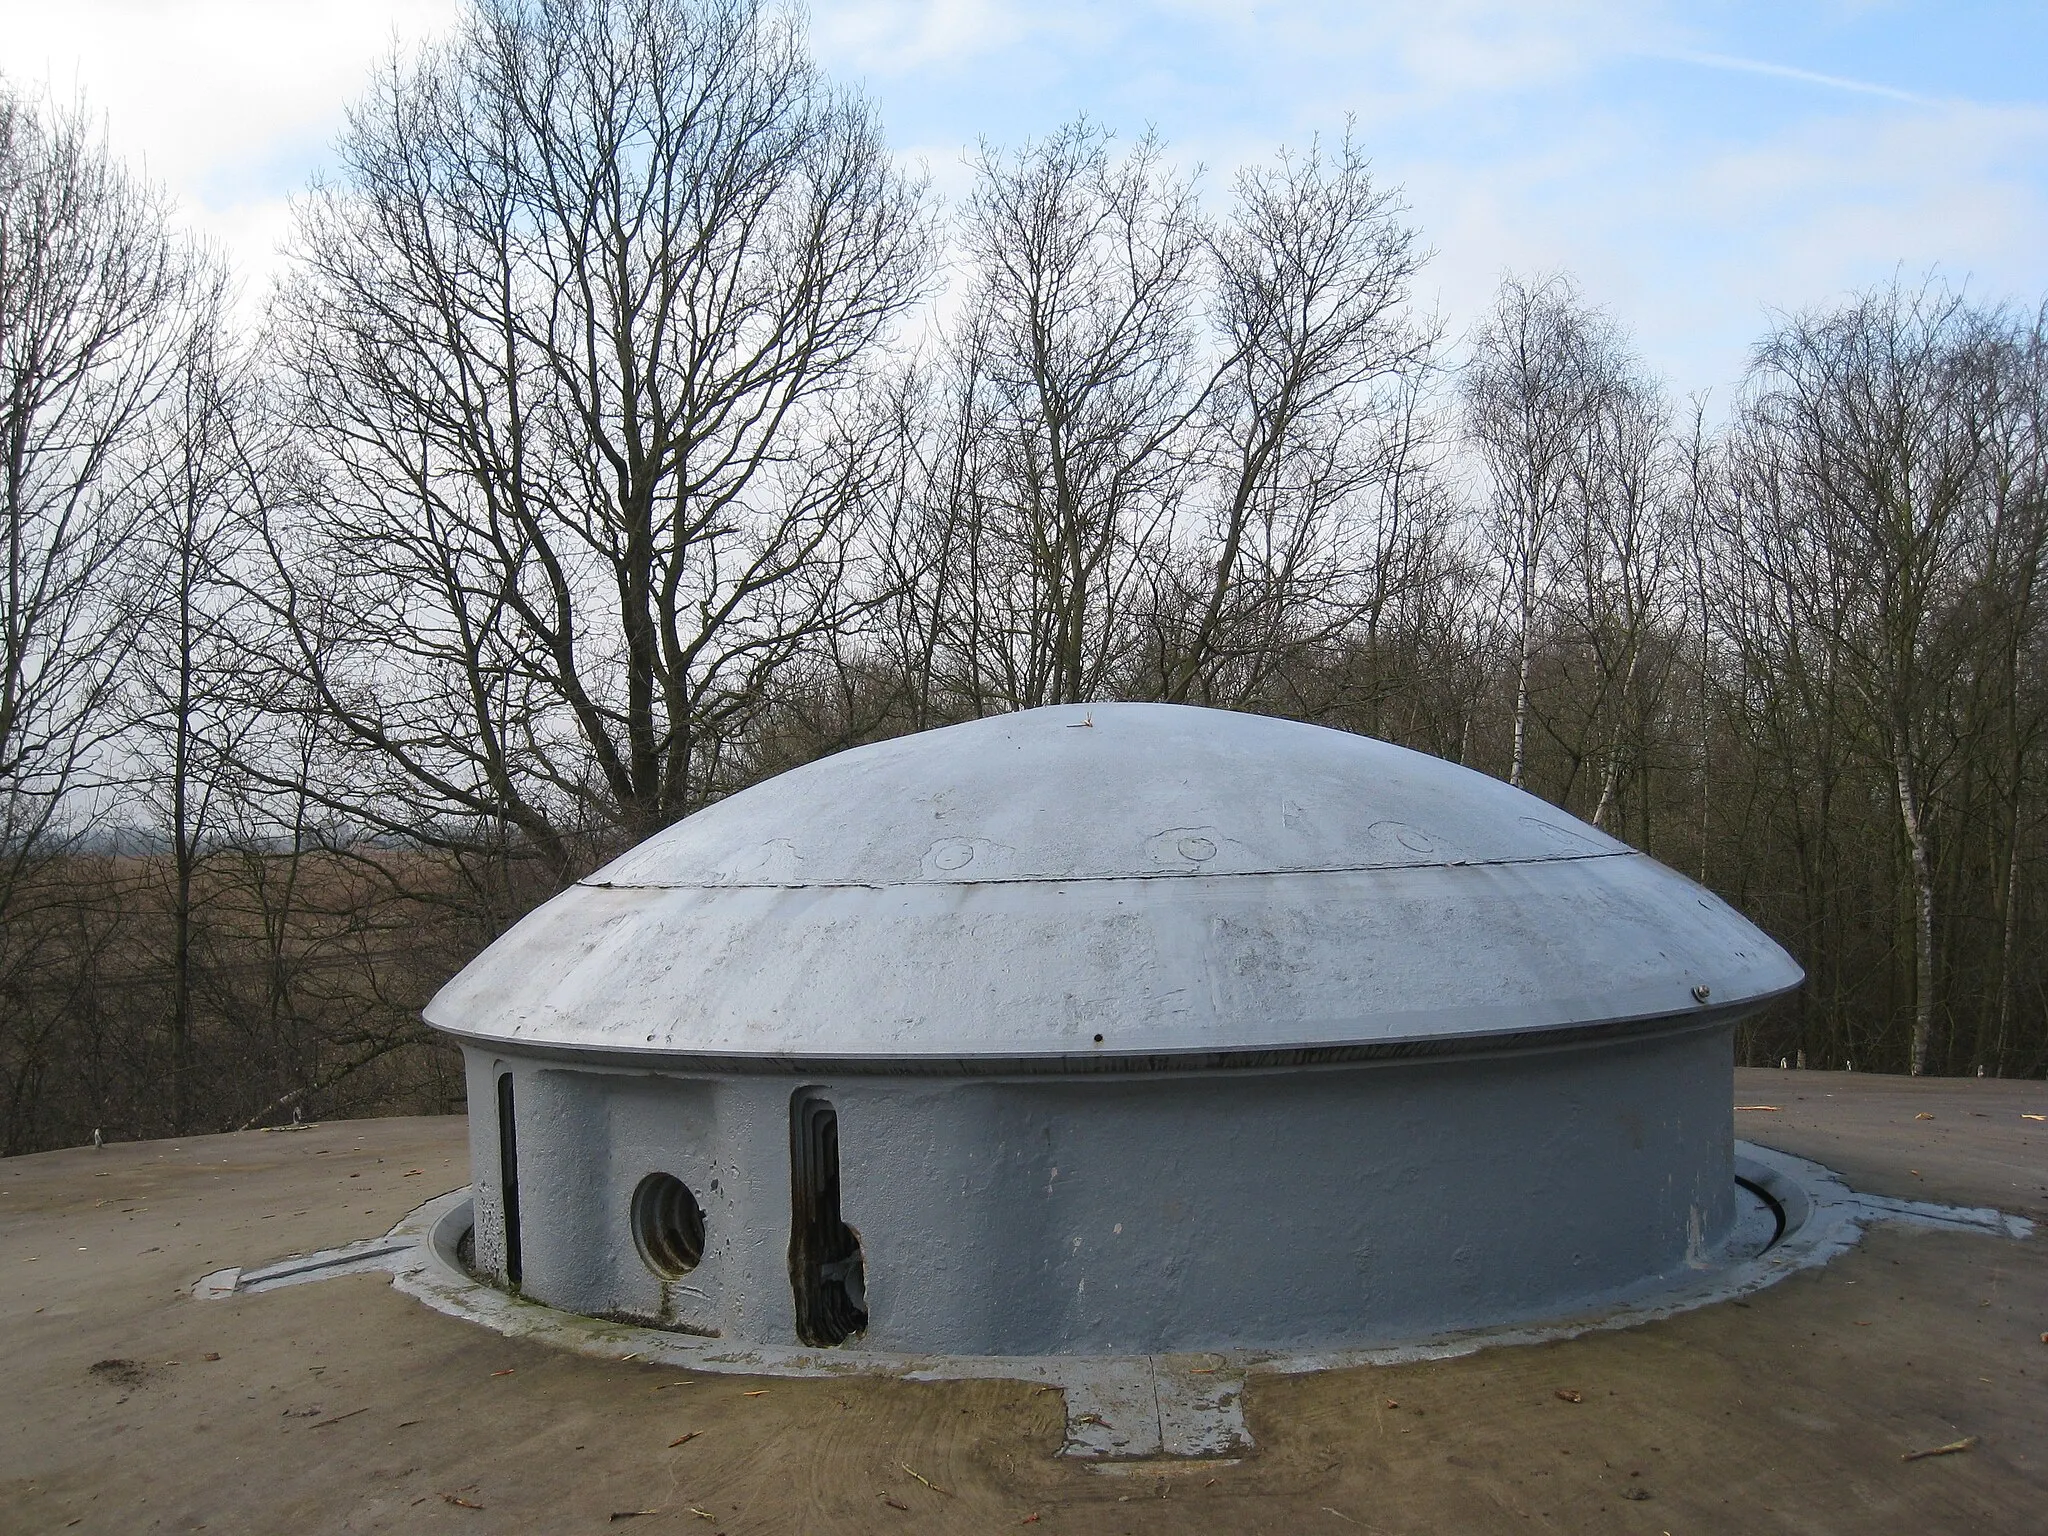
x: 1796, y: 1215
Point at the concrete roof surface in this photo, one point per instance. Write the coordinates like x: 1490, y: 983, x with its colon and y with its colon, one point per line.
x: 1111, y: 884
x: 345, y: 1406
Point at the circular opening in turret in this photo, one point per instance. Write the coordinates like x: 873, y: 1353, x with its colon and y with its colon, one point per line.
x: 668, y: 1226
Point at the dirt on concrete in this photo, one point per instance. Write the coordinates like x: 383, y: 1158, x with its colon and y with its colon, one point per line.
x: 1967, y: 1141
x: 345, y: 1406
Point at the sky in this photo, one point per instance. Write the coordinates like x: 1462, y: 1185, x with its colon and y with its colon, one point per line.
x: 1697, y: 168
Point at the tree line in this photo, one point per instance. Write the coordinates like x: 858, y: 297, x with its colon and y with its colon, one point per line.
x: 627, y: 424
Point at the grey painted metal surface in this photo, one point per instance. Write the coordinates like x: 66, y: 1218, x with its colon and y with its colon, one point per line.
x: 1339, y: 1205
x: 1129, y: 1029
x: 1075, y: 888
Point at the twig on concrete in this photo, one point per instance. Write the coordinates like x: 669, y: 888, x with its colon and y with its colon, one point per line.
x: 339, y: 1417
x: 935, y: 1488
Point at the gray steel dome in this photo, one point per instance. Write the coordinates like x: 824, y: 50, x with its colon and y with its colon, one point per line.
x: 1109, y: 886
x: 1101, y: 1029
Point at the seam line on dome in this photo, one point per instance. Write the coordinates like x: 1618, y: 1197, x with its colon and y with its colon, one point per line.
x: 1157, y: 874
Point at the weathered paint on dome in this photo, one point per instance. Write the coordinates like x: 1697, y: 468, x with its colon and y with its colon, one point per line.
x: 1104, y: 792
x: 1117, y: 884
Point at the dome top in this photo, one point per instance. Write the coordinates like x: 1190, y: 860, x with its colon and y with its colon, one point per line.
x: 1103, y: 792
x: 1084, y: 886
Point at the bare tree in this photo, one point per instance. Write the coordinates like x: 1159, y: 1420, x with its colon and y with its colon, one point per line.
x: 576, y: 349
x: 1532, y: 388
x: 189, y: 698
x: 1308, y: 440
x: 2015, y: 615
x: 91, y: 289
x: 1616, y: 554
x: 1873, y: 418
x: 1772, y: 665
x: 1162, y: 451
x: 93, y: 293
x: 1075, y: 375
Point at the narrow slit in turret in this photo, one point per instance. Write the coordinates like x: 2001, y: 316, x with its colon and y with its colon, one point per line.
x: 508, y: 1177
x: 827, y: 1271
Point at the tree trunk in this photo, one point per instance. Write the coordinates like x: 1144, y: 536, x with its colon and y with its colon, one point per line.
x: 1912, y: 822
x: 1528, y: 651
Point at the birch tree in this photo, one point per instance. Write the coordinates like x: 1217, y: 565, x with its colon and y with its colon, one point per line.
x: 1531, y: 391
x: 1874, y: 414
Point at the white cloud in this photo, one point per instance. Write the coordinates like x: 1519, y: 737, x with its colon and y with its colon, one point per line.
x: 1694, y: 244
x: 1689, y: 180
x: 1788, y: 72
x: 1686, y: 173
x: 895, y: 37
x: 230, y: 103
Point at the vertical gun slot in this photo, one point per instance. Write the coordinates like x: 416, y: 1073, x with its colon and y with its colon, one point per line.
x: 827, y: 1271
x: 508, y: 1177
